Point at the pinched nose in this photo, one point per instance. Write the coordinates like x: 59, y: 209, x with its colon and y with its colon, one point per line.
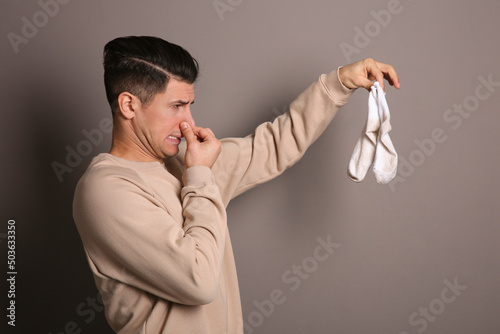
x: 188, y: 119
x: 191, y: 123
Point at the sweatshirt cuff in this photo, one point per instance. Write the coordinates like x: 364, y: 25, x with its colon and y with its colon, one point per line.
x: 336, y: 89
x: 197, y: 176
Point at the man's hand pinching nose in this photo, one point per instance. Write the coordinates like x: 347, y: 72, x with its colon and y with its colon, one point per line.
x: 203, y: 147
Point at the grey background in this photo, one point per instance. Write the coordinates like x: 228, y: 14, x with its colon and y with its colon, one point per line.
x: 399, y: 243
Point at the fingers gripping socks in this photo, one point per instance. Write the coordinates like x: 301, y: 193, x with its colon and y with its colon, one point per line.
x: 375, y: 146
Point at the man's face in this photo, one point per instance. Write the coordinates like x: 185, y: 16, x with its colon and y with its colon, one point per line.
x: 157, y: 126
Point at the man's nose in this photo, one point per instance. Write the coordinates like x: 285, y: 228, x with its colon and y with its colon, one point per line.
x: 189, y: 118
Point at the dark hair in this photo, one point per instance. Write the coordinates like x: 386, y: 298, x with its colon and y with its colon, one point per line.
x: 143, y: 66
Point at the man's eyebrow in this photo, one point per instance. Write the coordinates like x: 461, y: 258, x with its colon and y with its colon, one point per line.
x: 182, y: 102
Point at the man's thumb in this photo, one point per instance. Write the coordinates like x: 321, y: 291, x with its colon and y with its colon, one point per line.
x: 367, y: 84
x: 187, y: 132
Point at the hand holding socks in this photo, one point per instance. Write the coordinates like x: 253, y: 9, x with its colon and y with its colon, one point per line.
x: 375, y: 146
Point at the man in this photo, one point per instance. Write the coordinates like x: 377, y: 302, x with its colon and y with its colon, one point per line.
x: 151, y: 212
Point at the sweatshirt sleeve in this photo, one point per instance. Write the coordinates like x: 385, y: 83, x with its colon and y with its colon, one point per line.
x: 130, y: 237
x: 245, y: 163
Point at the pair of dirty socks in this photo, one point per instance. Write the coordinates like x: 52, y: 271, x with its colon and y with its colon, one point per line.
x: 375, y: 147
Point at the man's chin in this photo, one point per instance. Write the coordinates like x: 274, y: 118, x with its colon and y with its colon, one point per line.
x: 171, y: 151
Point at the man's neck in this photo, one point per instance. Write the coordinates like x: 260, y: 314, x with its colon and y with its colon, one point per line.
x: 129, y: 151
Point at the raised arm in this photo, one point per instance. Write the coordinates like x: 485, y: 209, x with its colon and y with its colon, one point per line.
x: 276, y: 146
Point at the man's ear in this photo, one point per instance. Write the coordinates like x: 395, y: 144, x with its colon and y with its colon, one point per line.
x: 128, y: 104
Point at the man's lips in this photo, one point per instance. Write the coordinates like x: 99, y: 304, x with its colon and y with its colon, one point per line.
x: 175, y: 138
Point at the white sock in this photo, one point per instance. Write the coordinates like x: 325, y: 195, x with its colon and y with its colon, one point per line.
x: 385, y: 165
x: 364, y: 151
x: 374, y: 145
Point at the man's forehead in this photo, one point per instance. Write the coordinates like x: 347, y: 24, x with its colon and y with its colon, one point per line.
x: 176, y: 87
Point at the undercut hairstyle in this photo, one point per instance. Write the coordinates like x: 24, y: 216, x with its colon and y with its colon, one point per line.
x: 143, y: 66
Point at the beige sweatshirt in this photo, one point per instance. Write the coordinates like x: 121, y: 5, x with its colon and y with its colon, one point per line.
x: 155, y: 234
